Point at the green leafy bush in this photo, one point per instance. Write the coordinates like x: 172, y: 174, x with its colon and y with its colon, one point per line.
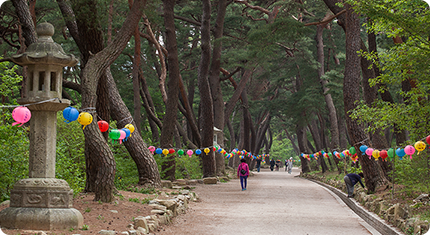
x: 70, y: 162
x: 13, y: 154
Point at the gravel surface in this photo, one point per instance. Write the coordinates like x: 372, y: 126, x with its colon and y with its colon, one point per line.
x: 275, y: 202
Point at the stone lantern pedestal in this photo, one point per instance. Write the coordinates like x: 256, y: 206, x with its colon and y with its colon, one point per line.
x: 42, y: 202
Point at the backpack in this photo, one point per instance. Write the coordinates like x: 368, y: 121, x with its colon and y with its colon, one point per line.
x: 242, y: 171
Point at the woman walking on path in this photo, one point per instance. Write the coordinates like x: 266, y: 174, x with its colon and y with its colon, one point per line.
x: 290, y: 165
x: 243, y: 173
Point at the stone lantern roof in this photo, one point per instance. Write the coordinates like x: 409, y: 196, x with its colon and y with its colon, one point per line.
x: 45, y: 50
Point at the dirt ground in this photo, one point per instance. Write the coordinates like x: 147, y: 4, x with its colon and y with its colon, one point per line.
x: 106, y: 216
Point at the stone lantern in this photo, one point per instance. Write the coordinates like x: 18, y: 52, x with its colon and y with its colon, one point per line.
x: 41, y: 201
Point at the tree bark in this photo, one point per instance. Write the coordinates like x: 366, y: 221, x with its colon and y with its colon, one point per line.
x: 214, y: 80
x: 95, y: 67
x: 169, y: 122
x: 136, y: 83
x: 302, y: 142
x: 373, y: 173
x: 145, y: 162
x: 26, y: 21
x: 206, y: 105
x: 334, y: 129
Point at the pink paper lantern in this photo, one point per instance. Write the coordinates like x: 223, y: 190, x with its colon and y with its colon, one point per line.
x: 369, y: 152
x: 151, y: 149
x: 409, y: 150
x: 21, y: 115
x: 122, y: 136
x: 190, y: 152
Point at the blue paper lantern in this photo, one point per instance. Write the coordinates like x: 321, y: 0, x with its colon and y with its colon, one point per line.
x: 198, y: 151
x: 70, y: 114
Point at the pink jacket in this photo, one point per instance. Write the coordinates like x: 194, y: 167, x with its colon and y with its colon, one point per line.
x: 244, y: 166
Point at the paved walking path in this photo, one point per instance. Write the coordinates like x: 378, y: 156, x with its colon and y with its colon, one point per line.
x: 274, y: 203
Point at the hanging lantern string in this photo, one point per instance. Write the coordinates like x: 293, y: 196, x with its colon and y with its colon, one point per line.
x: 25, y: 105
x: 361, y: 142
x: 130, y: 117
x: 101, y: 119
x: 88, y: 110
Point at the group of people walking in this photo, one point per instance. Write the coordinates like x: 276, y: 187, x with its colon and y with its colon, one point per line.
x: 243, y: 169
x: 275, y: 165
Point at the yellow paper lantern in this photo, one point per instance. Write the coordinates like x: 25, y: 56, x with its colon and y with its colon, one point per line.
x: 207, y: 150
x: 420, y: 146
x: 85, y: 119
x: 375, y: 154
x: 130, y: 127
x: 165, y: 151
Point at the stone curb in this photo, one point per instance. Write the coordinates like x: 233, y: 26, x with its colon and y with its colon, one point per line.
x: 370, y: 218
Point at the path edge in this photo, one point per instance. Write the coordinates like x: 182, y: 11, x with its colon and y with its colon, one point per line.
x: 372, y: 219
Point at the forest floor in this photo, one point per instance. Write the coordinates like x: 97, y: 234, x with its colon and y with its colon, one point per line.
x: 106, y: 216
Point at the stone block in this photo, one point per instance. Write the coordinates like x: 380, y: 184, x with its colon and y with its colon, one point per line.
x: 210, y: 180
x: 180, y: 182
x: 141, y: 221
x: 107, y: 232
x: 158, y: 207
x: 169, y: 204
x: 152, y: 227
x: 158, y: 212
x: 166, y: 184
x: 142, y: 230
x: 132, y: 232
x: 184, y: 192
x: 192, y: 182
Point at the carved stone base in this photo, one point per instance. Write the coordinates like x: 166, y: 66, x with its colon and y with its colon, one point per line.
x: 41, y: 204
x: 40, y: 218
x: 41, y: 193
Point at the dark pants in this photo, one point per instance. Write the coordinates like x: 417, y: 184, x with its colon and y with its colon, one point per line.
x: 243, y: 180
x: 349, y: 186
x: 258, y: 168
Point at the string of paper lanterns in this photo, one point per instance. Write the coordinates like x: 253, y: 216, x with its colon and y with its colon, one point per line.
x: 409, y: 150
x: 206, y: 150
x: 85, y: 118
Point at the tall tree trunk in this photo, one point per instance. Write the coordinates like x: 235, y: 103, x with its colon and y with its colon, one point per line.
x: 94, y: 68
x: 302, y: 142
x: 214, y: 80
x: 136, y: 81
x: 146, y: 166
x: 91, y: 42
x: 26, y: 21
x: 206, y: 105
x: 169, y: 121
x: 373, y: 173
x: 334, y: 129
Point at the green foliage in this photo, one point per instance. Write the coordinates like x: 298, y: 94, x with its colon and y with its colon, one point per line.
x: 282, y: 149
x: 13, y: 154
x: 400, y: 64
x: 413, y: 173
x: 126, y: 172
x: 13, y: 139
x: 188, y: 167
x: 70, y: 162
